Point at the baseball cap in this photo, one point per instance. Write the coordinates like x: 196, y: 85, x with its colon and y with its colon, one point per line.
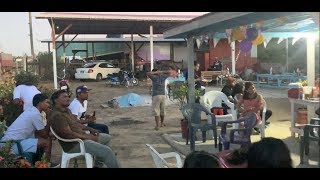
x: 81, y: 89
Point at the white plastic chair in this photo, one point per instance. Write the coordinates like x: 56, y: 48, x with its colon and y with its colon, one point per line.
x: 214, y: 99
x: 66, y: 157
x: 159, y: 159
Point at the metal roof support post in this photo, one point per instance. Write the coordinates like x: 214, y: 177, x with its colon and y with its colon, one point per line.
x: 132, y: 54
x: 191, y: 82
x: 233, y: 56
x: 48, y: 47
x: 311, y: 69
x: 87, y: 53
x: 64, y: 49
x: 311, y: 61
x: 93, y: 57
x: 287, y: 54
x: 151, y: 47
x: 54, y: 55
x: 172, y: 51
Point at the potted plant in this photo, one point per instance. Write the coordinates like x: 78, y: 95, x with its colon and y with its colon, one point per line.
x: 179, y: 91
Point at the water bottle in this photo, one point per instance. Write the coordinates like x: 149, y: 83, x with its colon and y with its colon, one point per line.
x: 300, y: 95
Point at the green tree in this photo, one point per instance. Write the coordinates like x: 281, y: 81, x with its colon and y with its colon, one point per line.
x: 297, y: 54
x: 45, y: 61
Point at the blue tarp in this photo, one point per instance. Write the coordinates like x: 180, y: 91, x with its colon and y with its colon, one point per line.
x: 129, y: 100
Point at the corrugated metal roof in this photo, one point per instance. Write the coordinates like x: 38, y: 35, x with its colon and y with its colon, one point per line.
x: 218, y: 22
x: 122, y: 23
x: 77, y: 40
x: 120, y: 16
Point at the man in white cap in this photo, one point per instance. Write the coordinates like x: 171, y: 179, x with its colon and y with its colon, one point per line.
x: 79, y: 106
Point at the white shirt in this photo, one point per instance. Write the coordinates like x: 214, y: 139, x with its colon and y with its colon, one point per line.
x: 76, y: 107
x: 25, y: 125
x: 26, y: 93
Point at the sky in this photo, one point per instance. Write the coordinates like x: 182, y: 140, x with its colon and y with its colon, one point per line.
x: 15, y: 39
x: 14, y: 36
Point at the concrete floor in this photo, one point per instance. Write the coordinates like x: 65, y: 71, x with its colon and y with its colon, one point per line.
x: 279, y: 128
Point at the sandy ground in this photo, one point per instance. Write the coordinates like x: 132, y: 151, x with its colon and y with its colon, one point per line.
x: 132, y: 128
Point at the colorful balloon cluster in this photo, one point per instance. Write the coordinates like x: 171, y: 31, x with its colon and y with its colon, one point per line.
x: 253, y: 37
x: 248, y: 37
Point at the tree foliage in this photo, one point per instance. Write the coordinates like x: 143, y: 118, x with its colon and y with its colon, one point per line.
x: 297, y: 54
x: 45, y: 61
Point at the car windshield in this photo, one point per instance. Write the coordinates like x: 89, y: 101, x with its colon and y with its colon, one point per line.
x: 90, y: 65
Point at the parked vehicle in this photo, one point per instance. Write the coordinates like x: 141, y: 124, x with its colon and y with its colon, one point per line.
x: 122, y: 78
x: 95, y: 70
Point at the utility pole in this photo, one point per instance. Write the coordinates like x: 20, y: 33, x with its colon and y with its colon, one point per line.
x: 31, y: 35
x: 31, y: 40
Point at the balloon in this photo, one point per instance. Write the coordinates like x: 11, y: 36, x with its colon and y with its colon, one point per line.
x: 237, y: 34
x: 245, y: 45
x: 260, y: 24
x: 258, y: 40
x: 252, y: 34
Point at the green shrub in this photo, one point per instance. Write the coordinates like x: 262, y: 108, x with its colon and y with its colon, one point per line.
x: 27, y: 78
x: 10, y: 110
x: 180, y: 92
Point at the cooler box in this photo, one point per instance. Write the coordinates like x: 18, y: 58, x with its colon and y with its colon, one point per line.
x: 294, y: 89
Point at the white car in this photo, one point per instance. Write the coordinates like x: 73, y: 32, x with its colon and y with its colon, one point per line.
x: 97, y: 71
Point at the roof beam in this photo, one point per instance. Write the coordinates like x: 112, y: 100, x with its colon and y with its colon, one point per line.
x: 65, y: 29
x: 71, y: 40
x: 219, y: 21
x: 201, y: 22
x: 276, y: 34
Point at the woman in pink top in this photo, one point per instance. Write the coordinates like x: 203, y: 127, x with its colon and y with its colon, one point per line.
x: 251, y: 101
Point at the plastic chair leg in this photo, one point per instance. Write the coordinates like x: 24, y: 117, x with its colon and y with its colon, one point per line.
x: 89, y: 160
x: 226, y: 145
x: 301, y: 150
x: 262, y: 129
x: 220, y: 146
x: 192, y: 140
x: 64, y: 162
x: 204, y: 136
x: 215, y: 138
x: 187, y: 138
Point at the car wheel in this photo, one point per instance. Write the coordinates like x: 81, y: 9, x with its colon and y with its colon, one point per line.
x: 99, y: 77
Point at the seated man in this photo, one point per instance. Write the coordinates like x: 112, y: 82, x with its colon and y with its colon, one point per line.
x: 78, y: 108
x: 227, y: 90
x: 197, y: 78
x: 30, y: 128
x: 67, y: 126
x: 217, y: 65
